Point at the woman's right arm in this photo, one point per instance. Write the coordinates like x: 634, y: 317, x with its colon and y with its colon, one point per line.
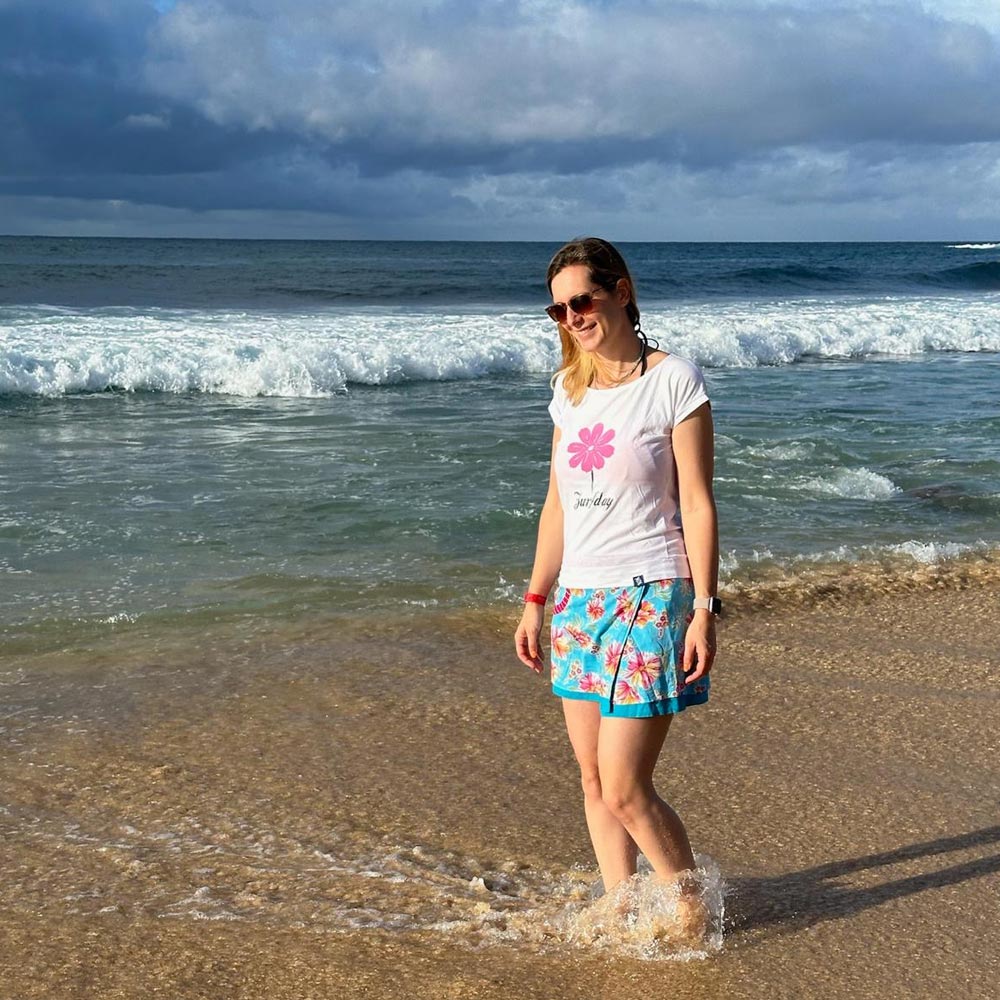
x: 548, y: 559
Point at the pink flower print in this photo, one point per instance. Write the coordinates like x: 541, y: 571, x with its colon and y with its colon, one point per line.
x: 626, y: 693
x: 642, y: 669
x: 595, y: 608
x: 645, y: 614
x: 578, y: 635
x: 559, y: 643
x: 591, y: 682
x: 624, y: 605
x: 612, y: 654
x: 592, y: 449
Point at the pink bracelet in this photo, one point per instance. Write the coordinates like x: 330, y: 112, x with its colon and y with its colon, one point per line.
x: 534, y: 598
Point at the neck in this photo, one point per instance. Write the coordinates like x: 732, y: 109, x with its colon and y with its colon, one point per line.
x: 616, y: 376
x: 620, y: 349
x: 622, y: 354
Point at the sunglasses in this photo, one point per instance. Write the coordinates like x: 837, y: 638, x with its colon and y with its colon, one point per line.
x: 582, y: 305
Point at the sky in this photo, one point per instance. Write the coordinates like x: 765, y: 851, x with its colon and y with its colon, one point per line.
x: 501, y: 119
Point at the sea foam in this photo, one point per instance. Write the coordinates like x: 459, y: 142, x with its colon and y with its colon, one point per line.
x: 50, y: 351
x: 855, y: 484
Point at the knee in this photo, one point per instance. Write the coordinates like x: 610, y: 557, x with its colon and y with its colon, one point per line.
x: 590, y: 778
x: 625, y: 800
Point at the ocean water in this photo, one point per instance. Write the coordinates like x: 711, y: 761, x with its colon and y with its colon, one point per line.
x: 257, y: 431
x: 266, y: 511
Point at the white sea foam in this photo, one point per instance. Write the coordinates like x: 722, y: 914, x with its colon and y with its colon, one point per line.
x: 786, y: 451
x: 853, y: 484
x: 49, y: 351
x: 730, y: 562
x: 926, y: 553
x: 973, y: 246
x: 406, y: 887
x: 739, y: 335
x: 933, y: 552
x: 922, y: 552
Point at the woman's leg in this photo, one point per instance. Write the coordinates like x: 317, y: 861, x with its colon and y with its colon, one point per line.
x: 627, y: 751
x: 614, y: 848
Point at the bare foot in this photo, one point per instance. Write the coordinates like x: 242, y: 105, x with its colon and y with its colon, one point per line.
x: 692, y: 913
x: 606, y: 918
x: 615, y: 905
x: 690, y: 923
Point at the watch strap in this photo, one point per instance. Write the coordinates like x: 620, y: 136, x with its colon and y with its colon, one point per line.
x: 711, y: 604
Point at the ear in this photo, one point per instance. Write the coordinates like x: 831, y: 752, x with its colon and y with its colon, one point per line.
x: 623, y: 291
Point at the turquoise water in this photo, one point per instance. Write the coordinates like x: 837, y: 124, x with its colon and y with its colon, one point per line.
x: 116, y: 505
x: 161, y: 462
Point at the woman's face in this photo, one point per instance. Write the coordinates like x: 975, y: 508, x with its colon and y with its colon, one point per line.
x: 608, y: 318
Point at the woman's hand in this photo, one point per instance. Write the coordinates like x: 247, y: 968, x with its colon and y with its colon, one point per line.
x: 526, y: 637
x: 699, y: 646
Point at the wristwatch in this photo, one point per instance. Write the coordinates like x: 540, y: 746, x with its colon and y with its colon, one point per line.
x: 710, y: 604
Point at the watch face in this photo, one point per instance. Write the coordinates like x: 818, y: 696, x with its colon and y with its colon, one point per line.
x: 715, y: 605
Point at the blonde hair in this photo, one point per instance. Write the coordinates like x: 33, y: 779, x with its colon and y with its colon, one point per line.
x: 607, y: 267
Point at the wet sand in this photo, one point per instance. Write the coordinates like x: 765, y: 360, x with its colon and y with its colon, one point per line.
x: 390, y: 812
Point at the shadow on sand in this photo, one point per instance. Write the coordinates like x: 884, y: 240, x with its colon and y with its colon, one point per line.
x: 799, y: 900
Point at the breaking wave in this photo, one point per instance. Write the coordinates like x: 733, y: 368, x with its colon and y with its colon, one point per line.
x: 52, y: 351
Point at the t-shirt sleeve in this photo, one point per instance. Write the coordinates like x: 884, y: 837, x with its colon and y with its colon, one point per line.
x: 685, y: 391
x: 558, y: 403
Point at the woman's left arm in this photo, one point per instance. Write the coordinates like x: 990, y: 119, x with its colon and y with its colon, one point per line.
x: 694, y: 454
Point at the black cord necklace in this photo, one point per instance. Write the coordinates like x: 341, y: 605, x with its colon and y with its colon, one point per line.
x: 641, y: 360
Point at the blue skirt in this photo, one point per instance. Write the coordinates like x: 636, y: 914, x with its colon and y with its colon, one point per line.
x: 624, y: 647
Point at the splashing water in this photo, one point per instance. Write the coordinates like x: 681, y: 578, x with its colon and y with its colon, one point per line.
x: 648, y: 918
x: 644, y: 917
x: 238, y: 871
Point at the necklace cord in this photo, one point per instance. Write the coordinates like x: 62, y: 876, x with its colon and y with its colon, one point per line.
x: 641, y: 360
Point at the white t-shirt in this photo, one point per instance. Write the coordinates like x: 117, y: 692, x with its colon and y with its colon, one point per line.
x: 617, y: 478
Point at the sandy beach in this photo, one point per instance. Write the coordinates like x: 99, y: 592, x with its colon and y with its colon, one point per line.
x: 394, y: 811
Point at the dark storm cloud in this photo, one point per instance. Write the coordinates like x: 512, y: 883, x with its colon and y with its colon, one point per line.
x: 499, y: 112
x: 73, y: 105
x: 688, y: 82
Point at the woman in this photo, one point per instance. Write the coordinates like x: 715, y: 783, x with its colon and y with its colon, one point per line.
x: 633, y: 627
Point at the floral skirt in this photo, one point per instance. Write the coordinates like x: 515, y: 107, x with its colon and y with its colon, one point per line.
x: 624, y: 647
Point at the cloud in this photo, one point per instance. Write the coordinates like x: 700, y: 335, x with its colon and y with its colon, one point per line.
x: 506, y: 117
x: 690, y: 82
x: 147, y: 120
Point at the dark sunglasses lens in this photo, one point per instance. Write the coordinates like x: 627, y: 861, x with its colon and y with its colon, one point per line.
x: 580, y: 304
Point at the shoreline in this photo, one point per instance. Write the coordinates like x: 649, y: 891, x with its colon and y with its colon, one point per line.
x: 311, y: 818
x: 801, y: 584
